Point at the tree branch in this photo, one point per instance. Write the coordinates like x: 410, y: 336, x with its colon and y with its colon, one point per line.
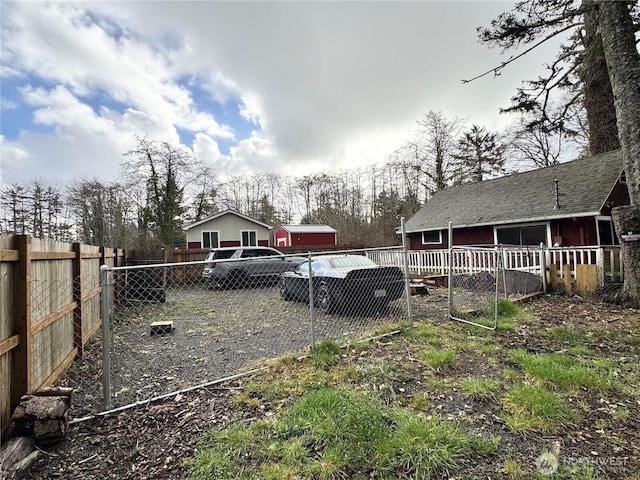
x: 496, y: 70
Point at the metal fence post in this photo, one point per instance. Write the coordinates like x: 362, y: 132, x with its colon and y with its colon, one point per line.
x: 105, y: 306
x: 311, y: 302
x: 405, y: 258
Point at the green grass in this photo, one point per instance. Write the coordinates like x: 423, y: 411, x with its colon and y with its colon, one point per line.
x: 533, y: 407
x: 325, y: 353
x: 512, y: 469
x: 335, y: 433
x: 438, y: 359
x: 571, y: 336
x: 561, y: 370
x: 372, y: 409
x: 480, y: 388
x: 506, y: 309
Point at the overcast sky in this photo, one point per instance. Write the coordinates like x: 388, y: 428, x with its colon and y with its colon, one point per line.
x: 291, y: 87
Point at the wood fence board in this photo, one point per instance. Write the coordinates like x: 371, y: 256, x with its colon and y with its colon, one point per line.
x: 7, y: 265
x: 5, y: 392
x: 566, y: 273
x: 586, y: 278
x: 21, y: 355
x: 38, y: 280
x: 50, y: 346
x: 8, y: 255
x: 9, y: 344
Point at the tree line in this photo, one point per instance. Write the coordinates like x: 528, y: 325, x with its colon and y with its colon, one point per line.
x: 164, y: 187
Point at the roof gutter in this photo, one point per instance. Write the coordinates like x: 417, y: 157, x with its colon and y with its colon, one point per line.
x: 508, y: 222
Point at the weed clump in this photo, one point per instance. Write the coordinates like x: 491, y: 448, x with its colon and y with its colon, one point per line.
x: 337, y: 433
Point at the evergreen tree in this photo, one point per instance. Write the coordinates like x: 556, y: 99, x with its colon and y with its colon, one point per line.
x: 480, y: 154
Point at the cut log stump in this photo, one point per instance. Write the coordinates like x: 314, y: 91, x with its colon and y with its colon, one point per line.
x: 39, y: 419
x: 43, y: 415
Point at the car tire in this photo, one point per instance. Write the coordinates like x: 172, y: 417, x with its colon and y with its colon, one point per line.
x: 324, y: 300
x: 284, y: 291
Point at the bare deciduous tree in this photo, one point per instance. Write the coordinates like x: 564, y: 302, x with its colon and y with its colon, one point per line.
x: 166, y: 169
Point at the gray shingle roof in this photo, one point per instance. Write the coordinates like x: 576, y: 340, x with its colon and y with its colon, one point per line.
x: 584, y: 185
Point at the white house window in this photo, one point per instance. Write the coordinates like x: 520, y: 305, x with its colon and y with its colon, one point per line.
x: 434, y: 236
x: 522, y: 235
x: 249, y: 238
x: 210, y: 239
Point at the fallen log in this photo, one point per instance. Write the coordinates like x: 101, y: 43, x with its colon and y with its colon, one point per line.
x: 17, y: 456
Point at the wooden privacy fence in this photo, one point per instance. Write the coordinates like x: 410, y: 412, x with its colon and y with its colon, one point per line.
x: 49, y: 309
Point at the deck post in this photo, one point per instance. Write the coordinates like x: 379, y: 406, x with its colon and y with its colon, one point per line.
x: 543, y: 268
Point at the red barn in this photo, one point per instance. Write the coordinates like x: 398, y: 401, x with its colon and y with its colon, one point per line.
x: 292, y: 235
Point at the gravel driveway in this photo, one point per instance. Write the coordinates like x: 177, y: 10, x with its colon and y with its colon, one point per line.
x: 217, y: 333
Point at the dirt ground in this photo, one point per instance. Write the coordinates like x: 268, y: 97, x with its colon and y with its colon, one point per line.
x: 153, y: 440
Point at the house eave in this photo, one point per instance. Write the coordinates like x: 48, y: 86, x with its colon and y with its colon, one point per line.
x: 508, y: 222
x: 221, y: 214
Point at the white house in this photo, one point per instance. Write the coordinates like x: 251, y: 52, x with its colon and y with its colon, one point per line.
x: 227, y: 229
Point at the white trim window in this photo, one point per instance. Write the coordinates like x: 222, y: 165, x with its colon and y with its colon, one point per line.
x: 526, y: 234
x: 605, y: 231
x: 249, y: 238
x: 210, y: 239
x: 432, y: 237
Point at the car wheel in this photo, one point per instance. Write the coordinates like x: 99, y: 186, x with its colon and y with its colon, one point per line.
x: 284, y: 291
x: 324, y: 299
x: 236, y: 279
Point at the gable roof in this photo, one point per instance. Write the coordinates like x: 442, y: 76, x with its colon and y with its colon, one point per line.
x: 220, y: 214
x: 308, y: 228
x: 584, y: 186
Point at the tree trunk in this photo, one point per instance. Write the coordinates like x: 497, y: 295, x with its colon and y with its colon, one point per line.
x: 598, y: 96
x: 625, y: 220
x: 623, y: 62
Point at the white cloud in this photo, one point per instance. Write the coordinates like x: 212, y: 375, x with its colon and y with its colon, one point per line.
x: 206, y: 149
x: 327, y: 84
x: 12, y: 156
x: 252, y: 110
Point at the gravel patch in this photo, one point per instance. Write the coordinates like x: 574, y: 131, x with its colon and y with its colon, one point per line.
x: 217, y: 333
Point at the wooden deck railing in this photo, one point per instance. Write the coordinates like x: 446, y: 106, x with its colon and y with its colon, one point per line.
x: 529, y: 259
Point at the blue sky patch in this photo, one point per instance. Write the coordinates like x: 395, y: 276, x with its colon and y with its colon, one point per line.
x: 225, y: 113
x: 16, y: 114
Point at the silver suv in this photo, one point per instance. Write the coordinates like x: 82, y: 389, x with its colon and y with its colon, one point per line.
x: 237, y: 267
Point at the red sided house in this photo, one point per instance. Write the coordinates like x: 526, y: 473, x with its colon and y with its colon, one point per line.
x: 227, y: 229
x: 294, y: 235
x: 564, y: 205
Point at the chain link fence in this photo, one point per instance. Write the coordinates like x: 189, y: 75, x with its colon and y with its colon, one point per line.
x: 479, y: 285
x: 174, y: 326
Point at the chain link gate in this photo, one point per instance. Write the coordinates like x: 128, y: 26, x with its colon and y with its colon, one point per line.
x: 476, y: 275
x: 170, y: 327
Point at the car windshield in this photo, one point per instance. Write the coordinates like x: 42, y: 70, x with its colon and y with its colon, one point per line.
x: 347, y: 262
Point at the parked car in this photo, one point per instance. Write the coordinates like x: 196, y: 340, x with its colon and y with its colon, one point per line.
x: 238, y: 267
x: 342, y: 281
